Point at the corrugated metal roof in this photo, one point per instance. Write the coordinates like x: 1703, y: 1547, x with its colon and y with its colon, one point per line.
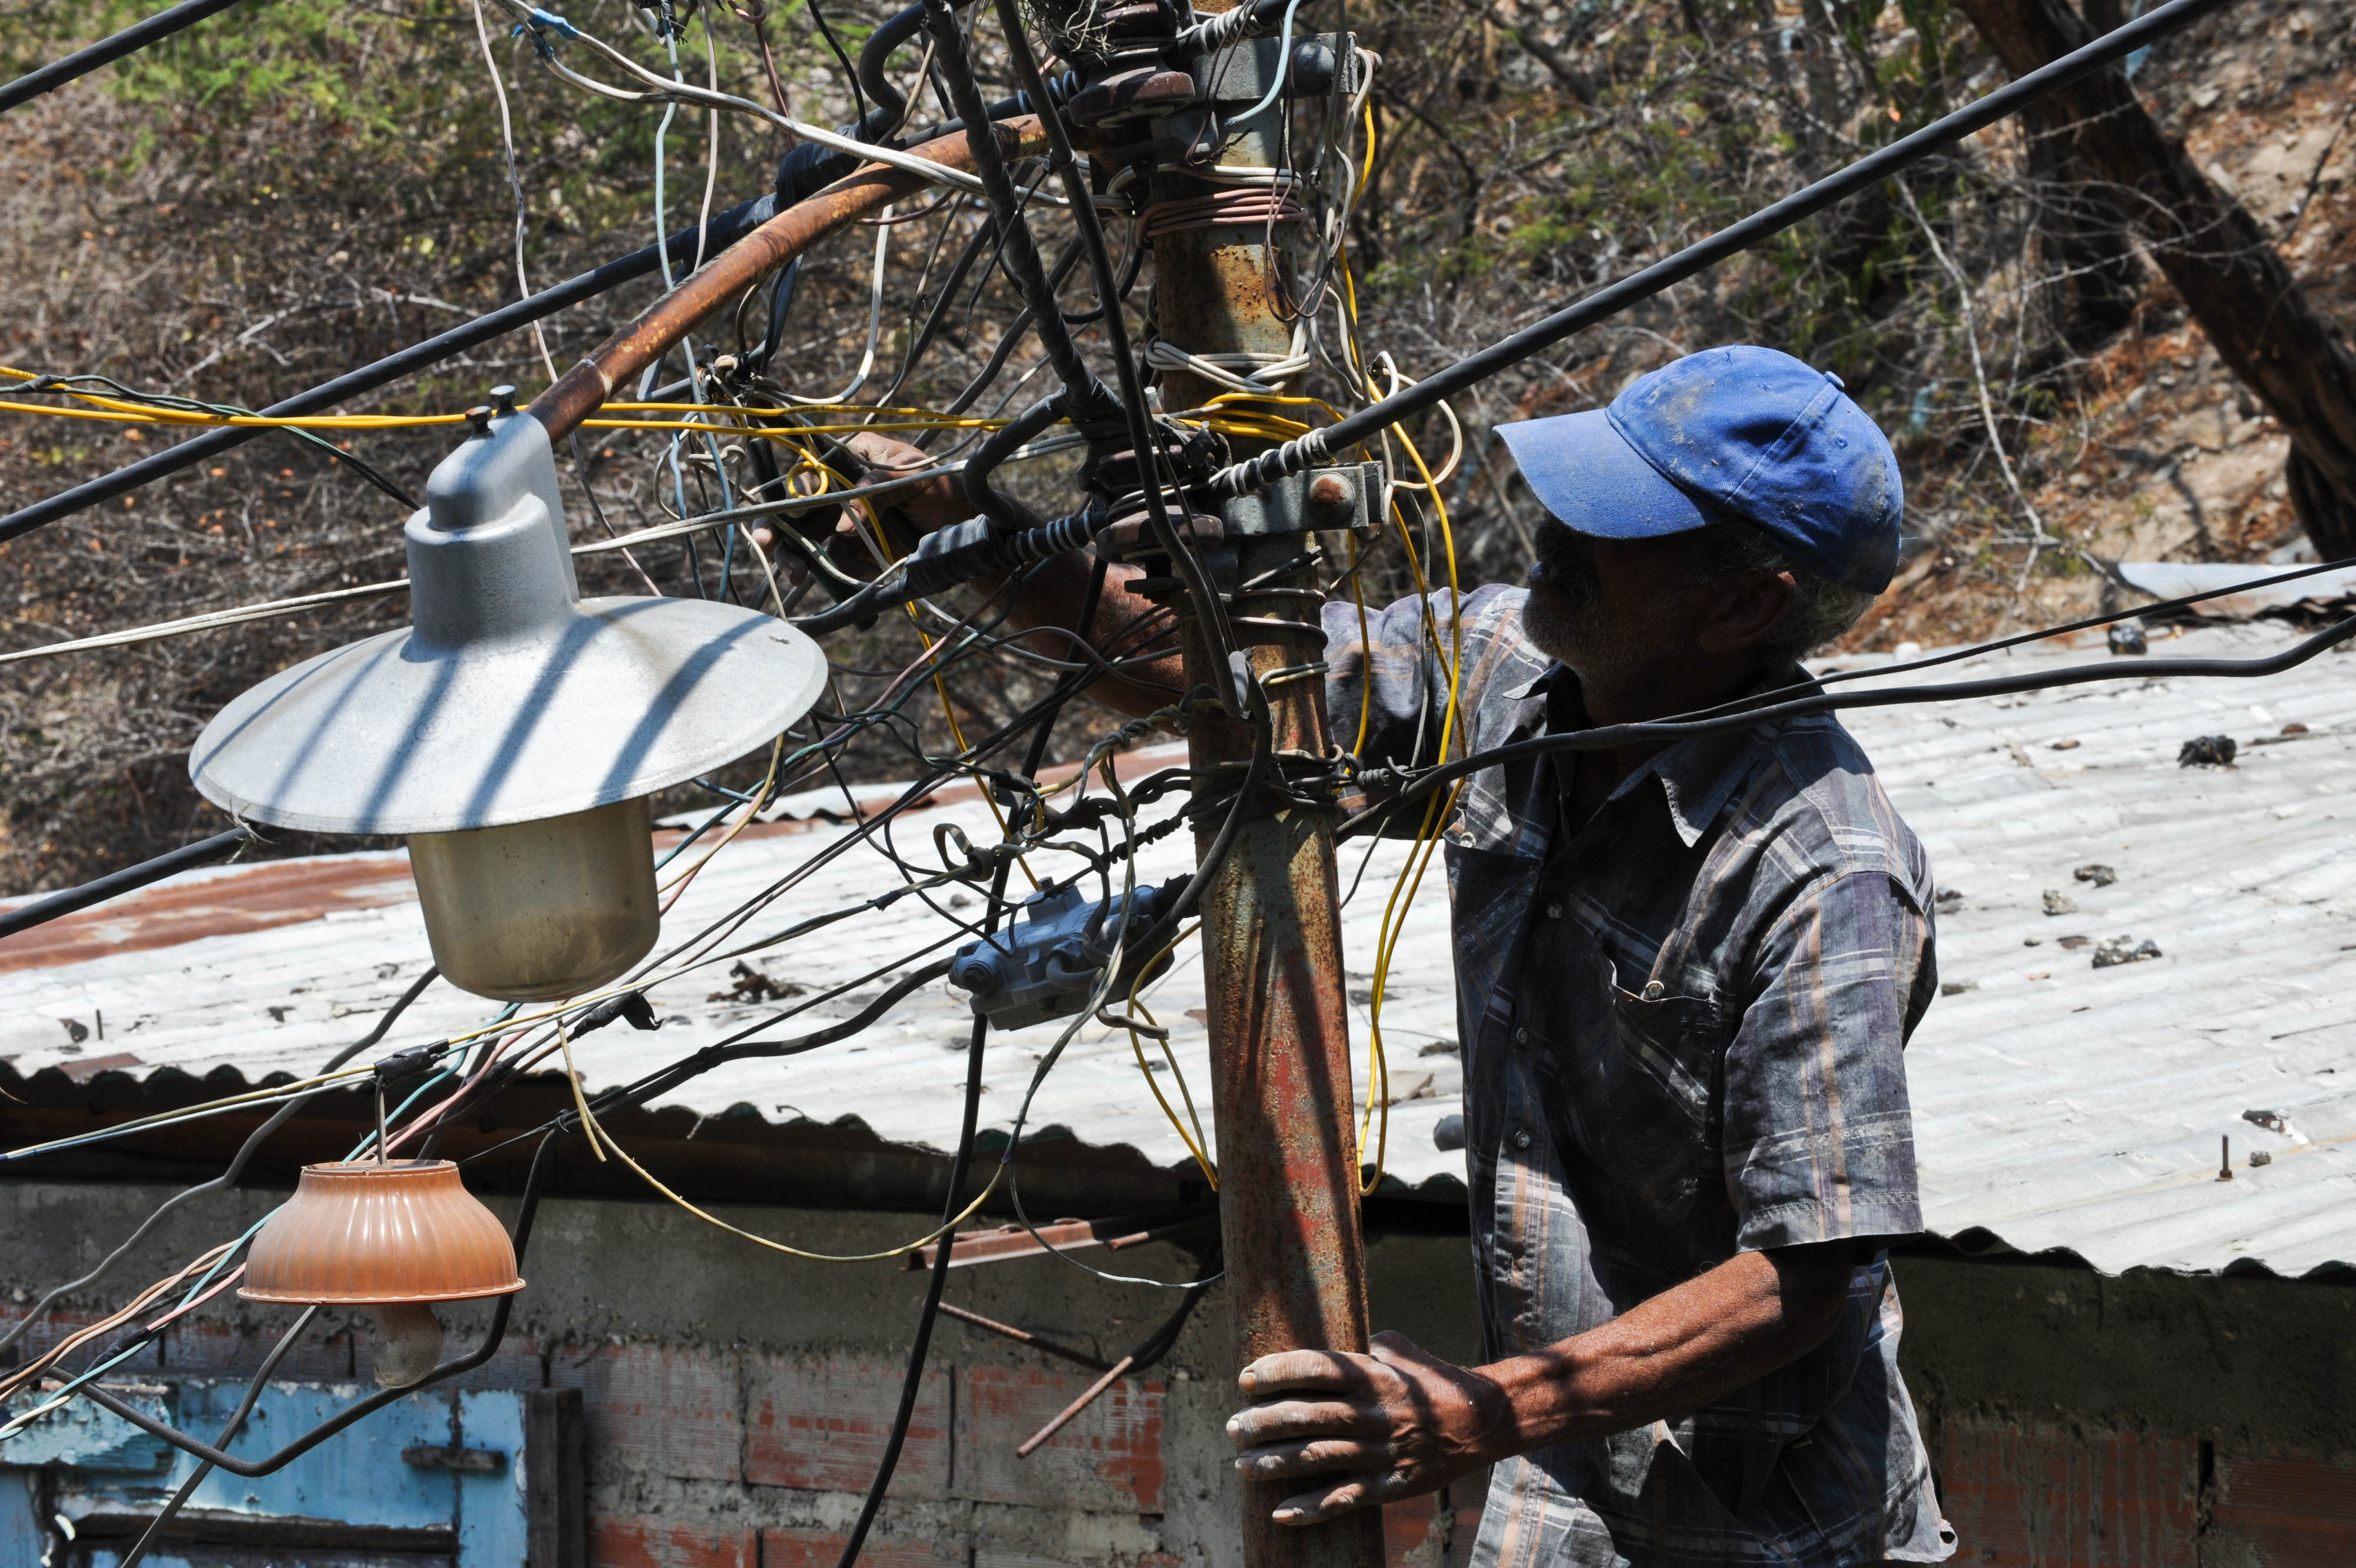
x: 2058, y: 1105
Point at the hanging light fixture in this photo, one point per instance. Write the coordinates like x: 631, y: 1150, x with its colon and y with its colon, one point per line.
x: 514, y: 730
x: 392, y: 1236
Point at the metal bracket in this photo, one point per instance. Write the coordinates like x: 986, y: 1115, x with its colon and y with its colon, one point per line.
x: 1318, y: 499
x: 1243, y: 72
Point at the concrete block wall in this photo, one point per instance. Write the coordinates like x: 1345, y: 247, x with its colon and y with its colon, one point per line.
x: 2150, y: 1420
x: 2052, y: 1497
x: 736, y: 1403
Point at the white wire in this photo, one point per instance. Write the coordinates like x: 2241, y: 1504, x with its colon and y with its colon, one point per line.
x: 677, y: 93
x: 875, y: 318
x: 507, y: 141
x: 712, y: 165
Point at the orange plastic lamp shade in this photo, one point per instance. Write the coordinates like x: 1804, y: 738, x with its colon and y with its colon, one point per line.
x: 362, y: 1234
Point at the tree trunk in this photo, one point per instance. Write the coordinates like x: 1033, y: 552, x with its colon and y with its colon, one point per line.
x: 2232, y: 278
x: 2082, y: 238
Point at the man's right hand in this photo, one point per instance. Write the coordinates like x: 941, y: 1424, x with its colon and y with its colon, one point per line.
x: 934, y: 502
x: 1050, y: 595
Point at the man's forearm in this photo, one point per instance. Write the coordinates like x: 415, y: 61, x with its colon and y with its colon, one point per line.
x: 1397, y: 1421
x: 1124, y: 627
x: 1134, y: 633
x: 1674, y: 1352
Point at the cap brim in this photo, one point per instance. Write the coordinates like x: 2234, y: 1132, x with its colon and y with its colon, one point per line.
x: 1594, y: 482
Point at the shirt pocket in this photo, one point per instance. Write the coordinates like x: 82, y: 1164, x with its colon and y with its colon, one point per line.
x: 1645, y: 1092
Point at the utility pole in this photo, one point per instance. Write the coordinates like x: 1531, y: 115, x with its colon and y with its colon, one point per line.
x: 1281, y: 1055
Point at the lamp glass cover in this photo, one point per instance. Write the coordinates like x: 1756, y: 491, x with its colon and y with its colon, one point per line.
x: 539, y: 910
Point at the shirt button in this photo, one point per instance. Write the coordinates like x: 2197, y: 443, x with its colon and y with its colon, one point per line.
x: 1554, y: 911
x: 1521, y: 1140
x: 1521, y: 1036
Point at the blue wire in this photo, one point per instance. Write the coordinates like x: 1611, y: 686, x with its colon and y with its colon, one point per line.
x: 225, y: 1257
x: 394, y: 1114
x: 72, y: 1383
x: 1283, y: 68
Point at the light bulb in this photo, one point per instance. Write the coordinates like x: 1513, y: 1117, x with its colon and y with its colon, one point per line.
x: 543, y: 909
x: 410, y: 1346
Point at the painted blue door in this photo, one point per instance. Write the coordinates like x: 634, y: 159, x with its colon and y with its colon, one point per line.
x: 434, y: 1480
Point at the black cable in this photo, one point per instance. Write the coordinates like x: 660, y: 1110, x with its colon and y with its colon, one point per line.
x: 724, y: 230
x: 675, y: 1074
x: 1008, y: 340
x: 107, y: 50
x: 1011, y: 339
x: 131, y: 878
x: 943, y: 302
x: 1606, y: 736
x: 850, y: 71
x: 912, y: 1384
x: 2164, y: 607
x: 890, y: 103
x: 1130, y: 269
x: 938, y: 1280
x: 1864, y: 174
x: 1208, y: 608
x: 913, y: 795
x: 301, y: 437
x: 1091, y: 402
x: 1002, y: 443
x: 678, y: 1073
x: 178, y: 1499
x: 668, y: 1079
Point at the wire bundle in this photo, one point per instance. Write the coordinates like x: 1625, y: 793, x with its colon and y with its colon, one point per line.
x: 1248, y: 205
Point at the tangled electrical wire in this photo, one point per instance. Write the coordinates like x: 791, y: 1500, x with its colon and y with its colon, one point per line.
x: 777, y: 479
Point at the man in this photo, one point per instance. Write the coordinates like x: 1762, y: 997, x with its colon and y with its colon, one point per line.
x: 1686, y: 976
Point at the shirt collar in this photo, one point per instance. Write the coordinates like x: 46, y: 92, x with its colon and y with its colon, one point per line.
x: 1699, y: 776
x: 1543, y: 683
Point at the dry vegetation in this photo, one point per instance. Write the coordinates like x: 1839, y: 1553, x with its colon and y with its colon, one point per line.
x: 295, y: 189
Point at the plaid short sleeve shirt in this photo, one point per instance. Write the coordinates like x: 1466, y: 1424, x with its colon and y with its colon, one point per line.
x: 1683, y: 1031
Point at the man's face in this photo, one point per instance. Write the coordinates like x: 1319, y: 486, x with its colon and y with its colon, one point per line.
x: 1613, y: 609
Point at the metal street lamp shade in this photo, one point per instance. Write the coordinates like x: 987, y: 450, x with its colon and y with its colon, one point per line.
x: 364, y: 1234
x: 509, y: 698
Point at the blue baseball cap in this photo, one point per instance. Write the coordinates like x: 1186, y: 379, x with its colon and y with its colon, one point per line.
x: 1741, y: 432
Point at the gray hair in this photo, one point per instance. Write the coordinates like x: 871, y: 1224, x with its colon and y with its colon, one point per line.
x: 1821, y: 609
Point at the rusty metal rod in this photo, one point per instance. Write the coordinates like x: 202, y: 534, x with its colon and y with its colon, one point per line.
x: 1030, y: 1443
x: 583, y: 389
x: 1024, y: 1337
x: 1148, y: 1352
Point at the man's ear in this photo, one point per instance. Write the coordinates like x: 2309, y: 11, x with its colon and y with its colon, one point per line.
x: 1736, y: 615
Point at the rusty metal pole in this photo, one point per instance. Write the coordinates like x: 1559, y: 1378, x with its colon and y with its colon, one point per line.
x: 1281, y: 1053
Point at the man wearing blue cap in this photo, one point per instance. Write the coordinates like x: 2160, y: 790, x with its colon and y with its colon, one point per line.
x: 1686, y: 976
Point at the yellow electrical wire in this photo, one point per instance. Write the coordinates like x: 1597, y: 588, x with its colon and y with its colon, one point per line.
x: 187, y: 1112
x: 573, y: 1079
x: 597, y: 1132
x: 1436, y: 815
x: 1196, y: 1143
x: 371, y: 421
x: 752, y: 808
